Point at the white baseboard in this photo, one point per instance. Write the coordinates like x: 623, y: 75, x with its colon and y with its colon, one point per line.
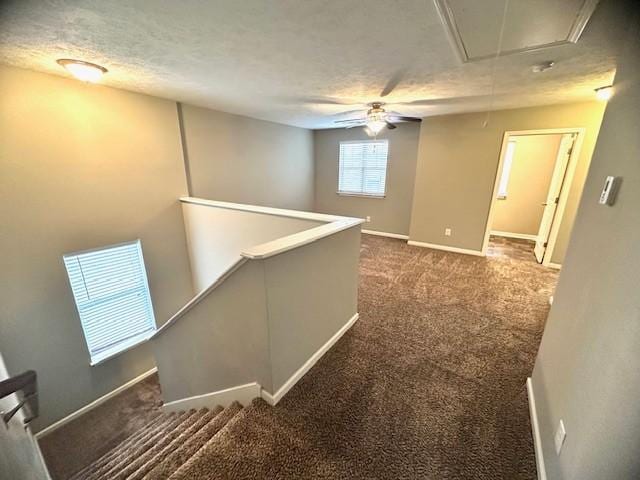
x: 521, y: 236
x: 535, y: 428
x: 94, y: 404
x: 435, y: 246
x: 273, y: 399
x: 386, y: 234
x: 557, y: 266
x: 242, y: 393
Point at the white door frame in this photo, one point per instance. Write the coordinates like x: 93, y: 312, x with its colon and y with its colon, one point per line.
x: 564, y: 191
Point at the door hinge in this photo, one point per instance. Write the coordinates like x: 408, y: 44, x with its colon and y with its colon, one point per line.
x: 557, y: 200
x: 545, y: 244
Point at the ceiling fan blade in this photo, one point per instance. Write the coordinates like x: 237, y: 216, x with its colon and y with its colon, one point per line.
x: 393, y: 82
x: 355, y: 125
x: 406, y: 119
x: 350, y: 120
x: 390, y: 125
x: 349, y: 112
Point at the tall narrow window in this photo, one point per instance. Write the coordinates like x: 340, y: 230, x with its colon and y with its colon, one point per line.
x: 506, y: 169
x: 111, y: 292
x: 363, y: 168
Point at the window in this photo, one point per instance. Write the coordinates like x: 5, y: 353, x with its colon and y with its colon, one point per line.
x: 112, y: 296
x: 363, y: 168
x: 506, y: 169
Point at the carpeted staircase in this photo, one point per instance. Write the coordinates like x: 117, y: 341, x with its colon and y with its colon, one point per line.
x: 165, y: 448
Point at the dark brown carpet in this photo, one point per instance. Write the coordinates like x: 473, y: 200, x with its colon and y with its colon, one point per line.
x: 85, y: 439
x: 428, y: 384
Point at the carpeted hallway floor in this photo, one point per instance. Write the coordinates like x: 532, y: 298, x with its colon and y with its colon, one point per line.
x: 429, y: 383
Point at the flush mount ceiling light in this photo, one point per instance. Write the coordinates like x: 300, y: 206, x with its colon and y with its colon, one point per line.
x: 84, y: 71
x: 543, y: 66
x: 604, y: 93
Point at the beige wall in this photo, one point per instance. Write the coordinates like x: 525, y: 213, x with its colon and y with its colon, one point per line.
x: 211, y: 253
x: 391, y: 214
x: 82, y: 166
x: 239, y: 159
x: 264, y: 322
x: 533, y: 161
x: 312, y: 292
x: 457, y: 163
x: 588, y: 368
x: 220, y: 343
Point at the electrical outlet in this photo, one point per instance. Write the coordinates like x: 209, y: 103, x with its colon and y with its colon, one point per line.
x: 368, y: 218
x: 447, y: 232
x: 561, y: 434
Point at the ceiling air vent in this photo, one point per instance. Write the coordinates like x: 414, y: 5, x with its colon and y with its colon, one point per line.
x: 474, y: 26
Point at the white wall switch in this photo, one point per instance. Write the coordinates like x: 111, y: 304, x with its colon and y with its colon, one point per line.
x: 561, y: 433
x: 368, y: 218
x: 610, y: 190
x: 447, y: 232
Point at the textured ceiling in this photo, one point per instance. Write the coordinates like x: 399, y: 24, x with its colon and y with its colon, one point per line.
x: 289, y: 60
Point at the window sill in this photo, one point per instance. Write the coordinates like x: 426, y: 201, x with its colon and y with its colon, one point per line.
x: 121, y: 348
x: 365, y: 195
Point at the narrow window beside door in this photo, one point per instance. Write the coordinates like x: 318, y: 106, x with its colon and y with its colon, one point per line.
x: 506, y: 169
x: 111, y: 292
x: 363, y: 168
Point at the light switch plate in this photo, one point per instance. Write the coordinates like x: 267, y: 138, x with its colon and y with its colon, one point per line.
x: 561, y: 434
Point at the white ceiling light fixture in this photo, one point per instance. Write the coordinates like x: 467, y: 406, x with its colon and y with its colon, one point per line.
x: 543, y: 66
x: 83, y: 71
x: 376, y: 121
x: 604, y: 93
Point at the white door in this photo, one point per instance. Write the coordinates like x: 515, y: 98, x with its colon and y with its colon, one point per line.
x: 551, y: 203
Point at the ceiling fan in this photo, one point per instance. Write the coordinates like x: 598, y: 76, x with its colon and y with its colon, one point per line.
x: 376, y: 119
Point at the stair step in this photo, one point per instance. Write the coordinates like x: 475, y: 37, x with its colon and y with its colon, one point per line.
x: 170, y: 465
x: 127, y: 455
x: 159, y: 447
x: 127, y: 443
x: 203, y: 417
x: 174, y: 460
x: 172, y: 446
x: 203, y: 464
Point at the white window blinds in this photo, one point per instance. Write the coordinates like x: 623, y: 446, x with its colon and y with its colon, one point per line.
x: 112, y: 296
x: 363, y: 167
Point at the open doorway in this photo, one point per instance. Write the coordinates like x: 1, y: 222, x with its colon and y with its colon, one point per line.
x: 532, y: 183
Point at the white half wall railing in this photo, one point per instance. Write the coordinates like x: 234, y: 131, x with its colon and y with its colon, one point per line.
x: 276, y: 288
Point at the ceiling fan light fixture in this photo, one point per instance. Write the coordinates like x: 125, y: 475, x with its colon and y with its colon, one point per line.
x: 83, y: 71
x: 376, y: 121
x: 376, y: 126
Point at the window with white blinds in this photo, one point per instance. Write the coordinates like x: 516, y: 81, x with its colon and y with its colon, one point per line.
x: 363, y: 167
x: 112, y: 296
